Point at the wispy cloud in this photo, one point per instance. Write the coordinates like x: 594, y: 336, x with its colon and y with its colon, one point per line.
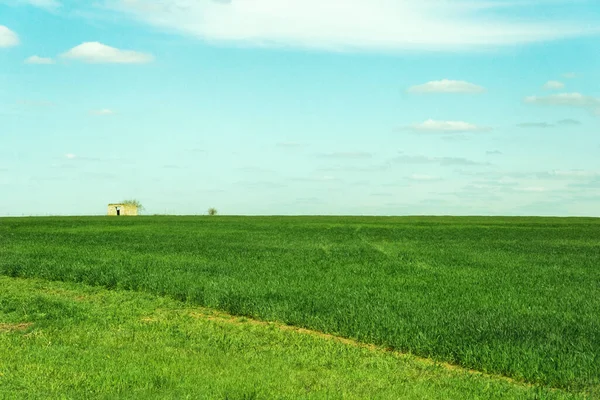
x: 8, y: 38
x: 316, y: 179
x: 36, y: 103
x: 493, y: 152
x: 568, y: 122
x: 535, y: 189
x: 432, y: 126
x: 423, y: 178
x: 98, y: 53
x: 568, y: 174
x: 576, y: 100
x: 447, y: 86
x: 78, y: 158
x: 570, y: 75
x: 387, y: 25
x: 382, y: 194
x: 444, y: 161
x: 355, y: 168
x: 535, y: 125
x: 543, y: 125
x: 475, y: 192
x: 510, y: 177
x: 554, y: 85
x: 593, y: 183
x: 255, y: 170
x: 39, y: 60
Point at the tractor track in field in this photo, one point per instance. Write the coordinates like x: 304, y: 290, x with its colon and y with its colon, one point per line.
x: 14, y: 327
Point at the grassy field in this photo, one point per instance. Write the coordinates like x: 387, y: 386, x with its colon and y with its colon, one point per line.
x: 512, y: 296
x: 66, y: 341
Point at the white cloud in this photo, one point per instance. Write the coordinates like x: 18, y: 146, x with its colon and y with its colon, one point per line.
x: 342, y: 25
x: 70, y: 156
x: 8, y: 38
x: 98, y: 53
x: 448, y: 127
x: 567, y: 100
x: 104, y: 111
x: 39, y: 60
x: 570, y: 75
x: 554, y: 85
x: 447, y: 86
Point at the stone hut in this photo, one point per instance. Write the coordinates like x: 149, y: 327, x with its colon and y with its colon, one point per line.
x: 122, y: 209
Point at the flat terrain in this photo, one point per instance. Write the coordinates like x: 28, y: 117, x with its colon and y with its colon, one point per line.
x: 62, y: 340
x: 518, y: 297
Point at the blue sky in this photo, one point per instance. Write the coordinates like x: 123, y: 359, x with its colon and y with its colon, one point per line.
x: 359, y: 107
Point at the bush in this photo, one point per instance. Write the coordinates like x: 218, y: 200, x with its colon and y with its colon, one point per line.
x: 134, y: 202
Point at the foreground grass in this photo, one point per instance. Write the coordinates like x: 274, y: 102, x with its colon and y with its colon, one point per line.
x: 62, y: 340
x: 511, y: 296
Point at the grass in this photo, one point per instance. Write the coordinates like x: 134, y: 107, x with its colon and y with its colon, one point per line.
x: 75, y: 341
x: 512, y: 296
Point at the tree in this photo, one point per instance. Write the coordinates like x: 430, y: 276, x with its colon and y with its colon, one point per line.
x: 212, y: 211
x: 134, y: 202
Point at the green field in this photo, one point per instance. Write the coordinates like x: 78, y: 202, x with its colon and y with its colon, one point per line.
x: 518, y: 297
x: 72, y: 341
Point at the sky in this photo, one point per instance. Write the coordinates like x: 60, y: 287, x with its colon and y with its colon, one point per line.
x: 270, y: 107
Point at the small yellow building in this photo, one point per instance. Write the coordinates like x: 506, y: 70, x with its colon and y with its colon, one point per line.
x: 122, y: 209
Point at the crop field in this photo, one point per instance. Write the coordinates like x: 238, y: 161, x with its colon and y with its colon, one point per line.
x: 512, y: 297
x: 60, y: 340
